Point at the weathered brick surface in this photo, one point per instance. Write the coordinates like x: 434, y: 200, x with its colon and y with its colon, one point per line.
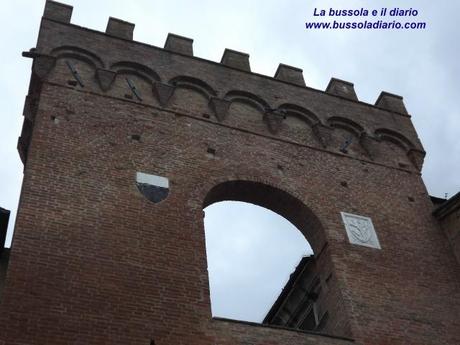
x: 449, y: 217
x: 94, y: 262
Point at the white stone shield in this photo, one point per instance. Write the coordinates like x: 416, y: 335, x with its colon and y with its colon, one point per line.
x: 154, y: 188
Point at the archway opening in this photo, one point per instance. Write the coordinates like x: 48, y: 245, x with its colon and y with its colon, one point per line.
x: 251, y: 253
x: 268, y: 260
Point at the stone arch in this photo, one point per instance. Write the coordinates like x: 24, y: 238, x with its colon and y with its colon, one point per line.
x: 249, y: 112
x: 395, y: 147
x: 80, y: 54
x: 194, y: 84
x: 134, y: 81
x: 300, y: 112
x: 346, y: 136
x: 248, y: 98
x: 298, y: 123
x: 274, y: 199
x: 142, y: 71
x: 346, y: 124
x: 394, y: 137
x: 75, y: 66
x: 314, y: 292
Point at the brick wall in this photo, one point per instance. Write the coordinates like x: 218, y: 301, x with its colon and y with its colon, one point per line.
x: 448, y: 215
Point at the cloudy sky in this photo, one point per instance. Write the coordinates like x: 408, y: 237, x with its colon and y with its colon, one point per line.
x: 420, y: 65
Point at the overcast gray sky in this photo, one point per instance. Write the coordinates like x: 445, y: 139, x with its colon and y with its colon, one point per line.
x: 251, y: 252
x: 422, y: 66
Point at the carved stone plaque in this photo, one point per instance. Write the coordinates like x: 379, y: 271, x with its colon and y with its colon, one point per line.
x: 360, y: 230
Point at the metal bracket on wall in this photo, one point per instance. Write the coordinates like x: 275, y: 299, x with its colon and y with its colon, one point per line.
x: 133, y: 89
x: 74, y: 73
x: 345, y: 145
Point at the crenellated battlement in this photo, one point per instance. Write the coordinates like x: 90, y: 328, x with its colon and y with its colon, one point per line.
x: 231, y: 58
x: 172, y: 78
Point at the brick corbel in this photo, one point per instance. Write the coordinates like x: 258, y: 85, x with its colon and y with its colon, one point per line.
x: 370, y: 144
x: 274, y: 120
x: 323, y: 133
x: 220, y: 107
x: 164, y: 92
x: 417, y: 157
x: 105, y: 78
x: 43, y: 64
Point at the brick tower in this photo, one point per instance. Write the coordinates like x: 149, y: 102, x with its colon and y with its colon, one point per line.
x: 123, y: 146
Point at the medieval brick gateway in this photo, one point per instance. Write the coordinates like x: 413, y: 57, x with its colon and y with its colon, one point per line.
x: 125, y: 143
